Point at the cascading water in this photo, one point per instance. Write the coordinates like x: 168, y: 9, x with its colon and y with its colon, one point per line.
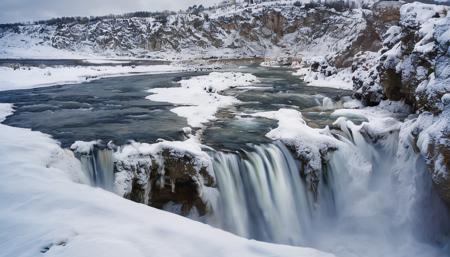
x: 99, y: 167
x: 262, y: 195
x: 375, y: 199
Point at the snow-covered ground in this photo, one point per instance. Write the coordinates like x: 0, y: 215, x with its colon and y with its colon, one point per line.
x: 46, y: 208
x: 32, y: 77
x: 341, y: 80
x: 202, y: 94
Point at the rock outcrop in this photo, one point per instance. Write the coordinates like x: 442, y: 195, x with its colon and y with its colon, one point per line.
x: 165, y: 179
x: 163, y: 175
x: 415, y: 60
x: 414, y: 67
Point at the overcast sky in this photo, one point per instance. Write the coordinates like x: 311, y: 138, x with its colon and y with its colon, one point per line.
x: 29, y: 10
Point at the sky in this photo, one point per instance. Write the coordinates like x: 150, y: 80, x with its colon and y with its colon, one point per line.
x: 31, y: 10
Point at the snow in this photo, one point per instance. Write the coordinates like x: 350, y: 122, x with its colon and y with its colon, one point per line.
x: 105, y: 61
x: 33, y: 77
x: 84, y: 147
x: 434, y: 131
x: 415, y: 14
x: 341, y: 79
x: 202, y: 94
x: 22, y: 45
x: 385, y: 109
x: 5, y: 110
x: 293, y: 131
x: 190, y: 147
x: 181, y: 39
x: 46, y: 209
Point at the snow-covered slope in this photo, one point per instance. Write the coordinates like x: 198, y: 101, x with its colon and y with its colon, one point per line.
x: 46, y: 209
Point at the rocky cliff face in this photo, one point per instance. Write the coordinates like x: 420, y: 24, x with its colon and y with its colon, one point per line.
x: 414, y: 66
x: 266, y: 30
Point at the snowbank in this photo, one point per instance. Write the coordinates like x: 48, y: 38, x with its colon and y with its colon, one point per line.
x: 202, y: 94
x: 45, y: 209
x: 32, y: 77
x: 5, y: 110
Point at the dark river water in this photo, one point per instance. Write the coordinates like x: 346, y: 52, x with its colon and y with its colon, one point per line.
x: 115, y: 109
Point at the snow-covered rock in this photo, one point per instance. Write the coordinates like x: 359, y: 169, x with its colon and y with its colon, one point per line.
x: 365, y: 77
x: 319, y: 72
x: 432, y: 133
x: 158, y: 174
x: 414, y: 65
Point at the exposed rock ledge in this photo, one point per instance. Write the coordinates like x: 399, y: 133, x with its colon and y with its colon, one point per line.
x: 161, y: 174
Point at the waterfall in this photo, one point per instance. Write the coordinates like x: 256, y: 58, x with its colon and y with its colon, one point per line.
x: 99, y: 167
x: 373, y: 197
x: 262, y: 195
